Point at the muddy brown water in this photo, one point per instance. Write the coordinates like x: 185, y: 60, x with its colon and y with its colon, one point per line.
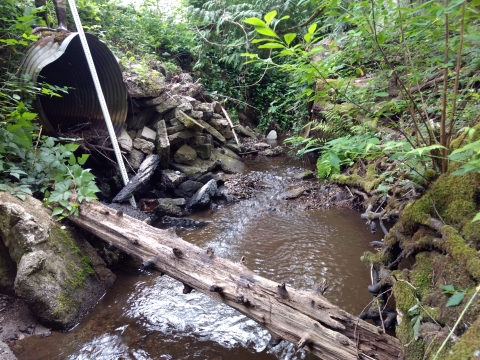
x: 145, y: 316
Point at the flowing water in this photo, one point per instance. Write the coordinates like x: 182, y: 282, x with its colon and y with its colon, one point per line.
x: 145, y: 316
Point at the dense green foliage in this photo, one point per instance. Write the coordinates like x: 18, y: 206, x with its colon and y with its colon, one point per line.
x: 29, y: 162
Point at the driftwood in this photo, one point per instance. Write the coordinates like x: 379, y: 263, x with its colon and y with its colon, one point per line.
x: 145, y: 172
x: 306, y: 319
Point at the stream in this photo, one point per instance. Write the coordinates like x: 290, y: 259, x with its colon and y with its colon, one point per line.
x: 146, y: 316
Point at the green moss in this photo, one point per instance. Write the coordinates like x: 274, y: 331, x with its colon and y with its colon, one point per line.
x: 415, y: 349
x: 76, y: 276
x: 369, y: 182
x: 405, y: 295
x: 463, y: 254
x: 374, y: 258
x: 468, y: 344
x: 422, y: 272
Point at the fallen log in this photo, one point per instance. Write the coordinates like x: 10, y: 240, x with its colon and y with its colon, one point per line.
x: 306, y: 319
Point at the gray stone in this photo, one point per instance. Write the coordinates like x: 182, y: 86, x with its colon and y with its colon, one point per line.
x: 210, y: 129
x: 169, y: 104
x: 59, y: 275
x: 147, y: 134
x: 175, y: 89
x: 185, y: 106
x: 158, y: 100
x: 203, y: 196
x: 142, y: 82
x: 185, y: 77
x: 185, y: 155
x: 166, y: 208
x: 194, y: 90
x: 294, y: 193
x: 125, y: 141
x: 272, y: 135
x: 222, y: 126
x: 180, y: 136
x: 188, y: 188
x: 199, y: 167
x: 176, y: 201
x: 262, y: 146
x: 203, y: 107
x: 175, y: 129
x: 217, y: 107
x: 172, y: 178
x: 189, y: 122
x: 230, y: 165
x: 217, y: 116
x: 234, y: 147
x: 219, y: 177
x: 174, y: 121
x: 144, y: 146
x: 230, y: 153
x: 276, y: 151
x: 200, y: 139
x: 163, y: 145
x: 135, y: 159
x: 204, y: 151
x: 6, y: 353
x: 196, y: 114
x: 245, y: 132
x: 133, y: 134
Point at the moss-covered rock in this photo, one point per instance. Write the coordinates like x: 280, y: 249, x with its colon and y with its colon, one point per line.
x: 59, y: 275
x: 369, y: 181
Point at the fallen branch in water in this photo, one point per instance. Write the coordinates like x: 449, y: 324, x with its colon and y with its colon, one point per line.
x: 304, y: 318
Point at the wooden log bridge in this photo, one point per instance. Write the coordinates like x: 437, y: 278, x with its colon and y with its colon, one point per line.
x: 305, y: 319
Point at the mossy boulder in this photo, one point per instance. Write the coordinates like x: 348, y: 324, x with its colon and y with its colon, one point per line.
x: 143, y: 82
x: 59, y: 275
x: 367, y: 179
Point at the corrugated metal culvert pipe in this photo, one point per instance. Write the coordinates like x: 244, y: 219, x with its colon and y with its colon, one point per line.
x: 59, y: 59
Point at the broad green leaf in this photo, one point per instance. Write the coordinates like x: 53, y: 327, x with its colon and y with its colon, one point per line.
x: 271, y: 46
x: 381, y: 94
x: 256, y: 41
x: 289, y: 37
x: 477, y: 217
x: 72, y: 160
x: 265, y: 31
x: 270, y: 16
x: 455, y: 299
x: 57, y: 211
x: 285, y: 17
x: 82, y: 159
x: 255, y: 22
x: 447, y: 289
x: 416, y: 326
x: 251, y: 55
x: 307, y: 37
x: 312, y: 28
x: 381, y: 38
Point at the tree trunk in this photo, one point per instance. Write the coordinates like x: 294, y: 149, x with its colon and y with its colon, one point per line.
x: 306, y: 319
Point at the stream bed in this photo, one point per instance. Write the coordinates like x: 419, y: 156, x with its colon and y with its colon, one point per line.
x: 146, y: 316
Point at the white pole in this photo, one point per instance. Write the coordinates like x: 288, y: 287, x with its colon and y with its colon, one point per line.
x: 101, y: 98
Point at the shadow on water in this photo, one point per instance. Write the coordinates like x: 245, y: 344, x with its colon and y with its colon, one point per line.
x: 145, y: 316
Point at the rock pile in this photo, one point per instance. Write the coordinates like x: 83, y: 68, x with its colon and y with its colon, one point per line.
x: 190, y: 135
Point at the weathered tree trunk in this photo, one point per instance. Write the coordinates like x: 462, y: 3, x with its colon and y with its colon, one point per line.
x: 306, y: 319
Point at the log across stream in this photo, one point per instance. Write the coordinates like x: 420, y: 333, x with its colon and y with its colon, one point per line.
x: 154, y: 311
